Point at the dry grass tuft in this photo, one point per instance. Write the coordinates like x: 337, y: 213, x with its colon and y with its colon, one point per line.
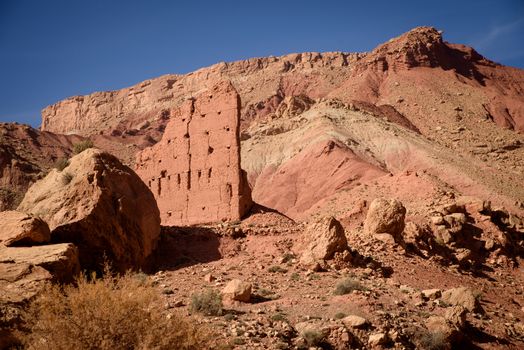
x: 113, y: 312
x: 61, y: 164
x: 347, y: 285
x: 208, y: 303
x: 82, y: 146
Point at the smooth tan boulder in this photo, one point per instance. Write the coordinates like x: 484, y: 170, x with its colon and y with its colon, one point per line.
x: 100, y: 205
x: 354, y: 321
x: 21, y: 229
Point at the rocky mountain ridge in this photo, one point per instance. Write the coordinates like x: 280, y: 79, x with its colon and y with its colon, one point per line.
x: 387, y: 185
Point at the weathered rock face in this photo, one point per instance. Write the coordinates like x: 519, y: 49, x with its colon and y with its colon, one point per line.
x: 194, y: 171
x: 385, y: 216
x: 461, y: 296
x: 24, y: 272
x: 21, y: 229
x: 60, y: 260
x: 322, y: 239
x: 325, y: 237
x: 100, y: 205
x: 274, y: 78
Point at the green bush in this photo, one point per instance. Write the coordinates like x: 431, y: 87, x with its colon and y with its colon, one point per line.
x: 113, y: 312
x: 208, y: 303
x: 82, y: 146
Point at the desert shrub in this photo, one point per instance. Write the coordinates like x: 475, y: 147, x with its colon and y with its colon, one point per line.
x: 312, y: 337
x: 61, y: 164
x: 82, y: 146
x: 113, y: 312
x: 294, y: 276
x: 288, y: 257
x: 339, y: 315
x: 278, y: 317
x: 346, y: 286
x: 9, y: 199
x: 208, y: 303
x: 239, y: 341
x: 229, y: 317
x: 276, y: 268
x: 434, y: 341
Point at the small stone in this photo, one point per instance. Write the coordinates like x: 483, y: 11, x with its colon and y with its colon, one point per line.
x: 406, y: 289
x: 209, y: 278
x: 377, y: 339
x: 437, y: 220
x: 431, y: 294
x: 354, y: 321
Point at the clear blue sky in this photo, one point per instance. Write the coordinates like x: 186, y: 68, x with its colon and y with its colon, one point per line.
x: 51, y: 49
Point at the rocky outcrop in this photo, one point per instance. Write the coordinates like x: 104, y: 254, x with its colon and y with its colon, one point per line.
x: 24, y: 272
x: 385, y: 216
x: 100, y: 205
x: 325, y: 238
x: 60, y: 260
x: 347, y: 76
x: 420, y: 47
x: 194, y: 171
x: 22, y: 229
x: 461, y: 296
x: 148, y: 101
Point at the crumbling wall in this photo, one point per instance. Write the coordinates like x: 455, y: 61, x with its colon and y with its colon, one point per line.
x: 194, y: 171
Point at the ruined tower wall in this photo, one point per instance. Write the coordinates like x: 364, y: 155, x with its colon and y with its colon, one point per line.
x: 194, y: 171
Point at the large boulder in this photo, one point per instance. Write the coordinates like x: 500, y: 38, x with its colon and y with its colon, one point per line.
x: 100, y: 205
x: 20, y: 229
x: 461, y: 296
x: 322, y: 240
x: 385, y: 216
x: 60, y: 260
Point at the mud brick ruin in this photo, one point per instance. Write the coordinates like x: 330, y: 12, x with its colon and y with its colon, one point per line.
x: 194, y: 171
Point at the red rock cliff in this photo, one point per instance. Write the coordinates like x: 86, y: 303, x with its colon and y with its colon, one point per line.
x: 194, y: 171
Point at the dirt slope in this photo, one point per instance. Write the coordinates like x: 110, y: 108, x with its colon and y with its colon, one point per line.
x: 26, y: 154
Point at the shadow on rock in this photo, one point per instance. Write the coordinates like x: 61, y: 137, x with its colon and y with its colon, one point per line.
x: 184, y: 246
